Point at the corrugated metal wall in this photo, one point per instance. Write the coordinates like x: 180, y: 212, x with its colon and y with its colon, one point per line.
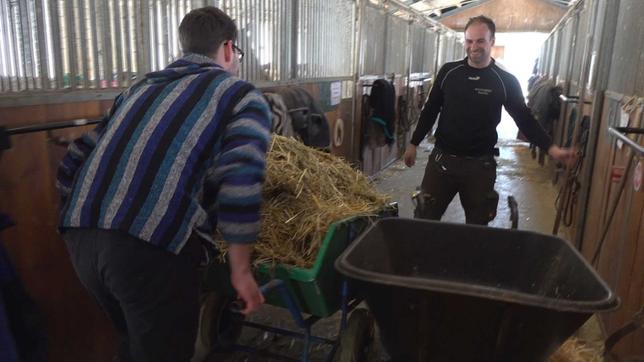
x: 98, y: 44
x: 372, y: 46
x: 443, y: 46
x: 86, y: 44
x: 596, y: 49
x: 429, y: 60
x: 543, y: 56
x: 265, y: 35
x: 423, y: 49
x: 552, y: 49
x: 579, y: 51
x: 417, y: 43
x: 627, y: 66
x: 397, y: 46
x: 325, y: 38
x: 564, y: 51
x: 102, y: 44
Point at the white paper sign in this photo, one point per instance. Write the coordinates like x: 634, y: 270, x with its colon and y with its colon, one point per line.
x: 336, y: 93
x: 623, y: 122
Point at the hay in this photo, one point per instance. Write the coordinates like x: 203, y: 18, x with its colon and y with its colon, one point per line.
x: 306, y: 190
x: 575, y: 350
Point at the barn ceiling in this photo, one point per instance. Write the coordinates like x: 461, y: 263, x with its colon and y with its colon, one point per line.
x: 438, y: 9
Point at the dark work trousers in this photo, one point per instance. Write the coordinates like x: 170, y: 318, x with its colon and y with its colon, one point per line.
x: 151, y: 295
x: 472, y: 178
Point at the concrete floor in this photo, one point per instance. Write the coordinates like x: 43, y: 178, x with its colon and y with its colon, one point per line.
x: 518, y: 175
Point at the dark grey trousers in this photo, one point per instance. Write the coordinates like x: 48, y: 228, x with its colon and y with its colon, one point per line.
x: 150, y: 294
x: 472, y: 178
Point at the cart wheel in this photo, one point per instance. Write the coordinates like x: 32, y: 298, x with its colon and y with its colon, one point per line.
x: 219, y: 328
x: 357, y: 339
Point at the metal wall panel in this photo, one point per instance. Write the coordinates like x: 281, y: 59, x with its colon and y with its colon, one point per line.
x: 459, y: 50
x: 627, y: 65
x: 63, y: 44
x: 564, y: 52
x: 396, y: 46
x: 85, y: 44
x: 546, y: 55
x: 451, y: 42
x: 555, y: 55
x: 423, y: 49
x: 417, y: 43
x: 581, y: 38
x: 543, y: 56
x: 429, y: 58
x: 372, y: 47
x: 265, y: 35
x: 445, y: 49
x: 550, y: 54
x: 597, y: 31
x: 325, y: 38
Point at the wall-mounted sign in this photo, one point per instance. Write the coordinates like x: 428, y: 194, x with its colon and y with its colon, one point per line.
x: 336, y: 93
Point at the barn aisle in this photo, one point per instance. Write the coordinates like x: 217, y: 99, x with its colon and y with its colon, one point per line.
x: 518, y: 175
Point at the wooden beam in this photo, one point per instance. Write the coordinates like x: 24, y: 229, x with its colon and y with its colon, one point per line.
x: 510, y: 15
x: 471, y: 4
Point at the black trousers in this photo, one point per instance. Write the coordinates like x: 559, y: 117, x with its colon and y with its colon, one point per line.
x: 472, y: 178
x: 150, y: 294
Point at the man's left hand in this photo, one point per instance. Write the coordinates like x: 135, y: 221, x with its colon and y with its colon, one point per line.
x: 567, y: 156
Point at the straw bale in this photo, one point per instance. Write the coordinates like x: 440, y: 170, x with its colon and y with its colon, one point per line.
x: 305, y: 191
x: 576, y: 350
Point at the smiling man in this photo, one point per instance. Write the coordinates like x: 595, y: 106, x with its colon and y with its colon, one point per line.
x: 469, y: 95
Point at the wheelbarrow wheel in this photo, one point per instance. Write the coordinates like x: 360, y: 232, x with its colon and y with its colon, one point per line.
x: 356, y: 340
x: 219, y: 327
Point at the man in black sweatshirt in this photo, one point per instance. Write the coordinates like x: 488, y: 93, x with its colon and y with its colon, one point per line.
x: 469, y: 95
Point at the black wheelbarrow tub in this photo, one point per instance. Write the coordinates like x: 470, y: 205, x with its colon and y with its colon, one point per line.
x: 455, y: 292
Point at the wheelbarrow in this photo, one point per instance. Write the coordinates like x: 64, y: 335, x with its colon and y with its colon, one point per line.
x: 309, y: 294
x: 457, y: 292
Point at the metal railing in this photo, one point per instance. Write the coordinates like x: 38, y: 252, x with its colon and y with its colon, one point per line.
x: 619, y: 133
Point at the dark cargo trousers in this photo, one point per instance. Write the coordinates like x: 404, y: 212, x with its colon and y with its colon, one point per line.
x: 150, y: 294
x: 472, y: 178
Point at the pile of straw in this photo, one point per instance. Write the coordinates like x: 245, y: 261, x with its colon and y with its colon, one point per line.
x: 306, y: 190
x: 575, y: 350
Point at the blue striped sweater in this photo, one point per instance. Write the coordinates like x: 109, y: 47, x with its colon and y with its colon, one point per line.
x: 182, y: 151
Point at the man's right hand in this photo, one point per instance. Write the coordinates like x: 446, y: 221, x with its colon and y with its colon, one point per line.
x: 242, y: 279
x: 410, y: 155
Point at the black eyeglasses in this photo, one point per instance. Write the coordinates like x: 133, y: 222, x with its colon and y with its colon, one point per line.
x: 239, y: 51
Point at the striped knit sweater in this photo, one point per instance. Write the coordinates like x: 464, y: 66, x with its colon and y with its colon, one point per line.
x: 182, y: 151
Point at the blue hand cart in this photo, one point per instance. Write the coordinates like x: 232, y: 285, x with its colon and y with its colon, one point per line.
x: 309, y: 294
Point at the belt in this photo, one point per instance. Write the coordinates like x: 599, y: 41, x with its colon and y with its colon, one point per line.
x: 441, y: 153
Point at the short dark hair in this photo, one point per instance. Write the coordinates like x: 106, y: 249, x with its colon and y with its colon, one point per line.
x: 482, y: 19
x: 203, y: 30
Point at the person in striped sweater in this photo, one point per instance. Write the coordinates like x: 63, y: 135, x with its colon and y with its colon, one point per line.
x: 180, y: 154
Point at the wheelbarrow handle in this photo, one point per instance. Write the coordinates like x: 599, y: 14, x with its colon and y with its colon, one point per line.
x: 274, y: 283
x: 239, y: 305
x: 286, y: 296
